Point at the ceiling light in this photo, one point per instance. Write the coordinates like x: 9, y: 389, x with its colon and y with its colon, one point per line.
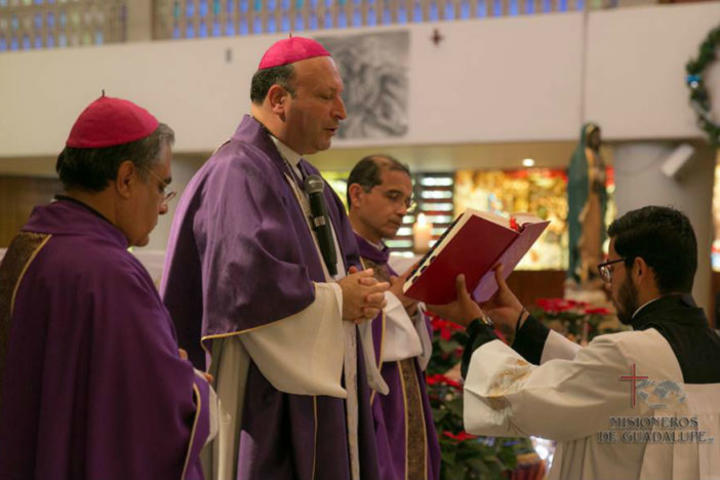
x: 528, y: 162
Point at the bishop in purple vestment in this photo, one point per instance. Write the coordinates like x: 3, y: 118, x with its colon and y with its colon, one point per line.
x: 379, y: 195
x: 92, y: 385
x: 245, y: 280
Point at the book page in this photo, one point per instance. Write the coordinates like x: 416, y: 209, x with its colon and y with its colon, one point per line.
x: 447, y: 237
x: 510, y: 258
x: 524, y: 218
x: 472, y: 250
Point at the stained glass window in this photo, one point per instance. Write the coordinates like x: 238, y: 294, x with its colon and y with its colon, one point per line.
x: 402, y: 15
x: 200, y: 18
x: 449, y: 10
x: 417, y: 12
x: 433, y: 11
x: 481, y: 9
x: 465, y: 9
x: 41, y: 24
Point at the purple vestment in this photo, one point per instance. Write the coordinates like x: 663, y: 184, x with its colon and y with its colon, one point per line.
x: 241, y: 256
x: 92, y: 385
x: 407, y: 443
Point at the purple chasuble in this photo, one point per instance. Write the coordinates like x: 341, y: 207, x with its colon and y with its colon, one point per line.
x: 92, y: 386
x: 406, y: 408
x: 241, y: 256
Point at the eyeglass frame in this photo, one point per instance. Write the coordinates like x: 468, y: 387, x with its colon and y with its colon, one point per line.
x: 410, y: 204
x: 603, y: 267
x: 166, y: 197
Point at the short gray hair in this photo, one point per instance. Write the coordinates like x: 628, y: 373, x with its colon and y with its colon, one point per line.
x: 91, y: 169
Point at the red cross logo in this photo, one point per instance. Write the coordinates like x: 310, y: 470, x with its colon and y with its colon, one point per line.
x: 633, y: 385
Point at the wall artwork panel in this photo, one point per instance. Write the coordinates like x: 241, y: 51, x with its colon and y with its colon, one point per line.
x: 374, y: 69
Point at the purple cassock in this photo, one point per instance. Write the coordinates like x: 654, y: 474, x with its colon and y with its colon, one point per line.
x: 92, y: 386
x: 241, y: 256
x: 407, y: 442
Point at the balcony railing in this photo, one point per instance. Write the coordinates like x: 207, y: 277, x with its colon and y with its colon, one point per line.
x: 36, y: 24
x: 214, y: 18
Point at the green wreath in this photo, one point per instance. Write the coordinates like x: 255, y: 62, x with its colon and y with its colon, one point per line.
x: 699, y: 96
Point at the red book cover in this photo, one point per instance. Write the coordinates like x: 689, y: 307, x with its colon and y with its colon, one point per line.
x: 473, y: 245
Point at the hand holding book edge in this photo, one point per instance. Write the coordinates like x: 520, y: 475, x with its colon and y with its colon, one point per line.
x: 396, y: 288
x: 503, y: 306
x: 461, y: 311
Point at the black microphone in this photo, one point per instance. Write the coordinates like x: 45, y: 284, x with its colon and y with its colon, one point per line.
x: 320, y: 221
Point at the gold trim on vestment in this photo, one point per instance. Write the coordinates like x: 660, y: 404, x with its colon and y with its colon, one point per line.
x: 414, y: 418
x: 247, y: 330
x: 198, y: 410
x: 24, y: 269
x: 405, y: 419
x: 315, y: 437
x: 20, y: 254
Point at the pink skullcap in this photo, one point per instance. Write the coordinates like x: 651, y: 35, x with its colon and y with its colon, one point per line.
x: 107, y: 122
x: 291, y: 50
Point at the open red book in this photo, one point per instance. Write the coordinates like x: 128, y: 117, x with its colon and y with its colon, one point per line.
x: 473, y: 245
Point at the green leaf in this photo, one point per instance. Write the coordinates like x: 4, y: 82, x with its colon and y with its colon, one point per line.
x: 448, y: 346
x: 455, y: 471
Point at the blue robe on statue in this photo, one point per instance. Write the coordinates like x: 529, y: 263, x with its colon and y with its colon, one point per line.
x: 579, y: 188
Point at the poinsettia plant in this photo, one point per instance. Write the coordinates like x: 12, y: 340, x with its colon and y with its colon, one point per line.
x: 578, y: 321
x: 464, y: 456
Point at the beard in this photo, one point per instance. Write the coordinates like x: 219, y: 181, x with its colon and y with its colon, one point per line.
x: 627, y: 301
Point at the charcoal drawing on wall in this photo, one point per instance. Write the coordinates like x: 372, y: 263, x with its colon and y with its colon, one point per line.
x: 374, y: 68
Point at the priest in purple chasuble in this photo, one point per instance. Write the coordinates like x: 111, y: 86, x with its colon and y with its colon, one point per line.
x: 379, y: 195
x: 92, y: 385
x: 256, y: 301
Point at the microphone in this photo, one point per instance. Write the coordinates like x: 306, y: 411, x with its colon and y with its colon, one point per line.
x: 320, y: 221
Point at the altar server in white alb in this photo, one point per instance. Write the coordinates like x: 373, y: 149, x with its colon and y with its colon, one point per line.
x: 641, y: 404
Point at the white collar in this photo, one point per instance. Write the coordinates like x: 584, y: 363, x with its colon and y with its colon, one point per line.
x: 645, y: 305
x: 290, y: 155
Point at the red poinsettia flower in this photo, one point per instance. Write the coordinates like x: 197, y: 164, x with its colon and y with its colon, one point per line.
x: 459, y: 436
x: 557, y: 305
x: 445, y: 327
x: 441, y: 379
x: 598, y: 311
x: 440, y: 323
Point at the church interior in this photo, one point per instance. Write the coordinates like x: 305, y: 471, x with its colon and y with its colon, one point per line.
x: 486, y: 101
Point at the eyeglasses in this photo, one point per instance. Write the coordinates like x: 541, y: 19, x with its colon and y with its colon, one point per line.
x: 398, y: 198
x: 166, y: 196
x: 606, y: 271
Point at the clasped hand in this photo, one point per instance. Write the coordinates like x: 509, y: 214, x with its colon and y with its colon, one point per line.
x: 363, y: 295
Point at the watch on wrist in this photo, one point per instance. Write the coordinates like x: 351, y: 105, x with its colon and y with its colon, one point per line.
x: 486, y: 320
